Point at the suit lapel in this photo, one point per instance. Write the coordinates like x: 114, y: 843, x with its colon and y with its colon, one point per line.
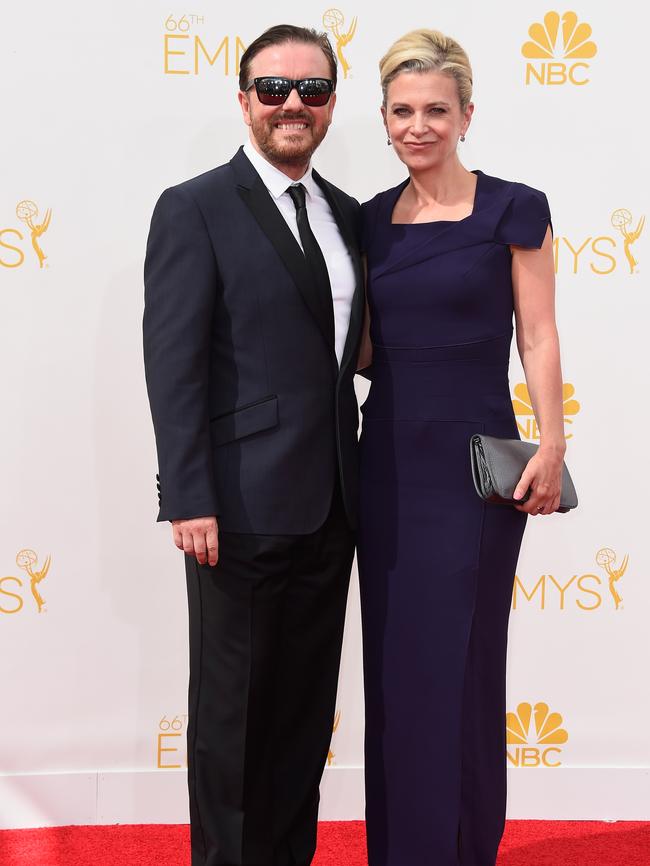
x: 259, y: 201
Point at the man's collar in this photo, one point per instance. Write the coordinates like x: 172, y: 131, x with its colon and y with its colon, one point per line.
x: 275, y: 180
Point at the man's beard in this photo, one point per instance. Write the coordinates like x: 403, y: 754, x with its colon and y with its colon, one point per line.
x: 293, y: 150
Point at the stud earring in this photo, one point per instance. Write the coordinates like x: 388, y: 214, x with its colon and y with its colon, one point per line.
x: 462, y: 138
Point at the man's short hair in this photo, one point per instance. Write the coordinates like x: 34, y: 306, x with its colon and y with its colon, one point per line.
x: 278, y: 35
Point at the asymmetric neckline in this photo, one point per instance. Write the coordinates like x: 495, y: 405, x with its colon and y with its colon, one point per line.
x: 402, y: 186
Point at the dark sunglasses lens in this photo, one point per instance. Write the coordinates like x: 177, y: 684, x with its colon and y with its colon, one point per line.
x: 272, y: 91
x: 315, y: 91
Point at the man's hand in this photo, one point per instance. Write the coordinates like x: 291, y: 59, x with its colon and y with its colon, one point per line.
x: 198, y: 537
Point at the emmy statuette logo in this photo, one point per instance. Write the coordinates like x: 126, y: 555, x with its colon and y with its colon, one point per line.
x: 606, y: 559
x: 538, y: 747
x: 584, y: 591
x: 27, y: 211
x: 523, y: 408
x: 560, y: 45
x: 13, y: 592
x: 334, y: 21
x: 12, y: 254
x: 599, y: 250
x: 621, y: 220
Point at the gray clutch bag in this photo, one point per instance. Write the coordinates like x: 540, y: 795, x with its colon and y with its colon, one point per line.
x: 497, y: 465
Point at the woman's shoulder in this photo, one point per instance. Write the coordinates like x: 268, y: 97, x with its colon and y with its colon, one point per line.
x: 499, y: 186
x: 522, y: 211
x: 374, y: 203
x: 381, y: 203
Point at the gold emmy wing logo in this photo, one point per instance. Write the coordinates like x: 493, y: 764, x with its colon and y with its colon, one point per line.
x: 523, y: 408
x: 27, y: 213
x: 330, y: 754
x: 186, y: 52
x: 606, y: 559
x: 621, y: 220
x: 334, y: 21
x: 27, y: 560
x: 539, y: 747
x: 557, y: 39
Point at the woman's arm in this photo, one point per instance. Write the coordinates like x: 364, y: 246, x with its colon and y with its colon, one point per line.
x: 533, y: 280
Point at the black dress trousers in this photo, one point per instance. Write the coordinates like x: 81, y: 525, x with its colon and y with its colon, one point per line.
x: 266, y: 627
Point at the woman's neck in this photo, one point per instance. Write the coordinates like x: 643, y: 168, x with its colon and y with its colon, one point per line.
x: 442, y: 185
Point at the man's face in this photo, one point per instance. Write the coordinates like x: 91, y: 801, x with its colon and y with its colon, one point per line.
x: 287, y: 134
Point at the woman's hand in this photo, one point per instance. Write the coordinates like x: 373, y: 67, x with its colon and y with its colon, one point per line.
x: 543, y: 473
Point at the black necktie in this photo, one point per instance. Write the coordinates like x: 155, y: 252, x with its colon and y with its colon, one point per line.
x: 314, y: 257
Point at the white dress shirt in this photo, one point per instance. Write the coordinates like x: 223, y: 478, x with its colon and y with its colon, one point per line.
x: 323, y: 225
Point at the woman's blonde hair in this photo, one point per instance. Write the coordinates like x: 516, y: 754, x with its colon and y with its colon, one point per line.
x: 428, y: 51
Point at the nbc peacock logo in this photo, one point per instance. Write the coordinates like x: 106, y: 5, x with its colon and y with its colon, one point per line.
x: 538, y: 746
x: 523, y: 408
x: 559, y: 47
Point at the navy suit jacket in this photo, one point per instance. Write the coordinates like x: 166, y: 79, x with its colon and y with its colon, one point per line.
x: 253, y: 417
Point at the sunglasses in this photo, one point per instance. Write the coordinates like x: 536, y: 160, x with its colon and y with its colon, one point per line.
x: 275, y: 90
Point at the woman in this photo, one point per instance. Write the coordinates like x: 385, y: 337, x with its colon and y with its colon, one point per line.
x: 452, y: 254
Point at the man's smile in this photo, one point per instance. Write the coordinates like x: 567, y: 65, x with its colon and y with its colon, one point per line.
x: 296, y: 125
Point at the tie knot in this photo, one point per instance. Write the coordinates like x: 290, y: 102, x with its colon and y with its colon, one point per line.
x: 297, y: 193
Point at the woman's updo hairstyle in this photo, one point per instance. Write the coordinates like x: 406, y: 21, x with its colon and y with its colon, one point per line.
x: 428, y: 51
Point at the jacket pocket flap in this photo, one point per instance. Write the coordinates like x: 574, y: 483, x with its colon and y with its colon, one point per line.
x: 242, y: 422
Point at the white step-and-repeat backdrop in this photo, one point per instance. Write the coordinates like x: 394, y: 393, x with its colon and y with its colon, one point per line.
x: 102, y: 108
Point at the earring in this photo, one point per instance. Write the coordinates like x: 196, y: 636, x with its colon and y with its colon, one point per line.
x: 388, y: 141
x: 462, y: 138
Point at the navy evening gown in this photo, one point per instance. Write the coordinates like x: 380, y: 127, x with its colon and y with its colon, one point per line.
x: 436, y: 564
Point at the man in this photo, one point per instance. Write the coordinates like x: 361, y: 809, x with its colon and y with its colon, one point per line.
x: 253, y: 312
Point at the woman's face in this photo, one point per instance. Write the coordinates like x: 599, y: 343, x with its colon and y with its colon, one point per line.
x: 423, y: 118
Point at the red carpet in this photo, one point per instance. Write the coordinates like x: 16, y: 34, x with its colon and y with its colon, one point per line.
x: 526, y: 843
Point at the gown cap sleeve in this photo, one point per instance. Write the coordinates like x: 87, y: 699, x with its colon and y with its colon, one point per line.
x: 525, y: 219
